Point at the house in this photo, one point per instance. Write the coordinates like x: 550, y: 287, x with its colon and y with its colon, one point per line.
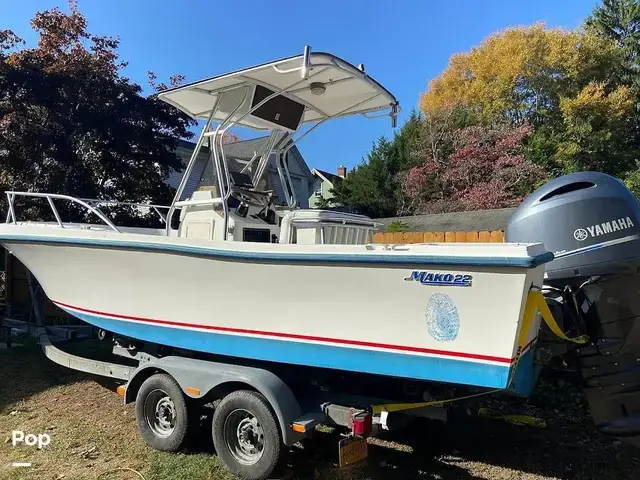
x: 323, y: 182
x: 238, y: 155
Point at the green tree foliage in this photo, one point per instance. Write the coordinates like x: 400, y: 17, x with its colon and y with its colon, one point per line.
x: 397, y: 227
x: 409, y: 141
x: 374, y: 187
x: 598, y: 131
x: 619, y: 20
x: 324, y: 203
x: 71, y: 123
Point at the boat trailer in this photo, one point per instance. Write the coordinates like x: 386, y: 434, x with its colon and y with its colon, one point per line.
x: 187, y: 384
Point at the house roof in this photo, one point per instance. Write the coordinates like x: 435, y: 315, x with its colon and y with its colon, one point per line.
x: 329, y: 177
x: 244, y: 150
x: 477, y: 220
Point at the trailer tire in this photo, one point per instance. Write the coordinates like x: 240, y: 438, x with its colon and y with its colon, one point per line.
x: 246, y: 435
x: 161, y: 413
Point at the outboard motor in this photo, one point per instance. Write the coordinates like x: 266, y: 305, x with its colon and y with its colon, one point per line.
x: 591, y: 223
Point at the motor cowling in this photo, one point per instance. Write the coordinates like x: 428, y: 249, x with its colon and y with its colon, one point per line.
x: 591, y: 223
x: 589, y: 220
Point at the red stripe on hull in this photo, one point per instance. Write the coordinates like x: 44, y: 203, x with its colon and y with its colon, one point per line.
x: 293, y: 336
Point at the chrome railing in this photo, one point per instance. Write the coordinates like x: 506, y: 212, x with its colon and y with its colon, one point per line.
x: 155, y: 208
x: 89, y: 204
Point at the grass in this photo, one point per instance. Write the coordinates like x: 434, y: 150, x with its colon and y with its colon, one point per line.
x: 94, y: 436
x: 187, y: 467
x: 92, y: 433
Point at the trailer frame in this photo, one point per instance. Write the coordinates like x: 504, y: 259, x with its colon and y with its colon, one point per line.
x: 204, y: 381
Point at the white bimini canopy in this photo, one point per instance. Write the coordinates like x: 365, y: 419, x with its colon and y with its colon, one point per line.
x: 285, y: 94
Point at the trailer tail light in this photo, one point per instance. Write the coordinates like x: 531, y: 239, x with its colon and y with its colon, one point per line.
x: 121, y: 390
x: 362, y: 424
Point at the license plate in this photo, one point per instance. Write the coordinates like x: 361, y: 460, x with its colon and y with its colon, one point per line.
x: 352, y: 450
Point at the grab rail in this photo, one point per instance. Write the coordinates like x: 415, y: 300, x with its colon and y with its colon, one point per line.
x: 11, y: 214
x: 204, y: 201
x: 154, y: 207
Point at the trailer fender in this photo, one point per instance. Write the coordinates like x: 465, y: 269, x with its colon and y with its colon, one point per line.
x: 198, y: 378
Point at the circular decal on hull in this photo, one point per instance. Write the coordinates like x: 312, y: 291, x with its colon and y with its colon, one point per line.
x: 443, y: 320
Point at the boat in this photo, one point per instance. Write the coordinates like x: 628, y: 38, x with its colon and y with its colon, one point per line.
x: 236, y: 278
x: 295, y: 318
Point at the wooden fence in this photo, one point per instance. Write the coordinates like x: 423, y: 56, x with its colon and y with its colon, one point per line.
x: 496, y: 236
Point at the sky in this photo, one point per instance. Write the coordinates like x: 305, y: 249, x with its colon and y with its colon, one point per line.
x: 403, y: 43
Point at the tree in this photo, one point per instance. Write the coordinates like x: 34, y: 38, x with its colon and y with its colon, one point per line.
x: 619, y: 20
x: 549, y: 79
x: 598, y: 131
x: 487, y: 169
x: 424, y: 187
x: 374, y: 187
x: 71, y: 123
x: 323, y: 203
x: 520, y: 74
x: 409, y: 140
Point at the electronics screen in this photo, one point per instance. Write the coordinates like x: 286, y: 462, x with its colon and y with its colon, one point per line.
x: 280, y: 110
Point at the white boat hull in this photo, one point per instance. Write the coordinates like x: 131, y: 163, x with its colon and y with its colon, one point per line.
x: 345, y: 307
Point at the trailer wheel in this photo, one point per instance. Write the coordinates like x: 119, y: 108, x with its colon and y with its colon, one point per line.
x: 161, y: 412
x: 246, y: 435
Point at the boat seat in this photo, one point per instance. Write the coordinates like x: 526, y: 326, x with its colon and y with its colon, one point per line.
x: 326, y: 227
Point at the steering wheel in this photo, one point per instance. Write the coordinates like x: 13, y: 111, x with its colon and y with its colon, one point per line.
x: 245, y: 197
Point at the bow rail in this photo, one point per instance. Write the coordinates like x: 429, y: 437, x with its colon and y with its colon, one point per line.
x: 91, y: 205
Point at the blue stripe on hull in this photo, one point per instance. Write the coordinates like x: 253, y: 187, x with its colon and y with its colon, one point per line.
x: 311, y: 354
x: 526, y: 374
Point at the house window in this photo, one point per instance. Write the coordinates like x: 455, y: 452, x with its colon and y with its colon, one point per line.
x: 318, y: 188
